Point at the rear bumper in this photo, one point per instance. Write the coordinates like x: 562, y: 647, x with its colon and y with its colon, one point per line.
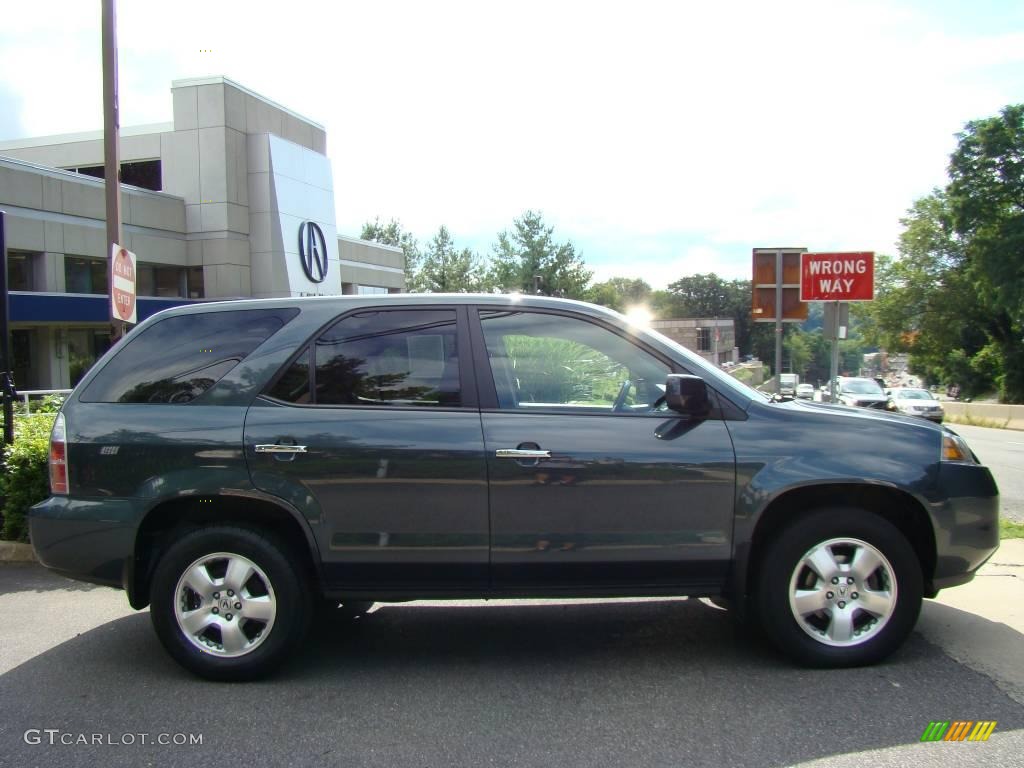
x: 88, y: 540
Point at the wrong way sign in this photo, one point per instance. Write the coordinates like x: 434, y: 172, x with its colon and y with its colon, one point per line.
x: 837, y: 276
x: 122, y: 284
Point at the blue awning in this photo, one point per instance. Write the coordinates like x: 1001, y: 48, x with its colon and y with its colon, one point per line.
x: 26, y: 307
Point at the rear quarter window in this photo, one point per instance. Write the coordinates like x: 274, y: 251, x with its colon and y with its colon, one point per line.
x: 177, y: 359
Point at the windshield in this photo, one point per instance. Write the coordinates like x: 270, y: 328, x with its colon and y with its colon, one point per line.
x: 914, y: 394
x: 861, y: 387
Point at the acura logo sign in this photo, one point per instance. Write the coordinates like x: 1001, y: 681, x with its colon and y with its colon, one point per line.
x: 313, y: 251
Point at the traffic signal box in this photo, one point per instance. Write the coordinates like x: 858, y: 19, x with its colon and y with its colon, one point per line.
x: 763, y: 293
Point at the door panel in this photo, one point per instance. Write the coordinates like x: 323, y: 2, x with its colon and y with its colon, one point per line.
x: 398, y: 499
x: 631, y: 495
x: 615, y: 504
x: 383, y: 451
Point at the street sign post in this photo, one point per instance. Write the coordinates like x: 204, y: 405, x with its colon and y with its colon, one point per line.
x: 837, y: 279
x: 775, y: 293
x: 122, y: 285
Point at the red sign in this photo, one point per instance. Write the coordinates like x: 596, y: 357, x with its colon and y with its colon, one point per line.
x: 837, y: 276
x: 122, y: 285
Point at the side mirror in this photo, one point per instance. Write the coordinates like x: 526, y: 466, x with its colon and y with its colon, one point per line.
x: 687, y: 395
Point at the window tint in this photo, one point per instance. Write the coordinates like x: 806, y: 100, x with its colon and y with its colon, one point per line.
x: 402, y: 357
x: 177, y: 359
x: 293, y: 386
x: 544, y: 360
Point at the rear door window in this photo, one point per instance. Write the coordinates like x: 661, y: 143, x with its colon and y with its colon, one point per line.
x: 379, y: 357
x: 177, y: 359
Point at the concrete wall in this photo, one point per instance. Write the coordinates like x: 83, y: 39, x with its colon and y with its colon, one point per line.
x: 367, y: 263
x: 77, y: 150
x: 685, y: 332
x: 1008, y: 416
x: 54, y: 213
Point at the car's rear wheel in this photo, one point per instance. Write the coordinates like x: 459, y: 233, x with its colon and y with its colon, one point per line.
x: 839, y: 587
x: 229, y: 603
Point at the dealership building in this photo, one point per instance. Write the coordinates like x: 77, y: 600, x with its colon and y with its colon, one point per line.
x: 233, y: 199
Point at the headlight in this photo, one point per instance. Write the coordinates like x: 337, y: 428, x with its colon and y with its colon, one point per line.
x: 954, y: 448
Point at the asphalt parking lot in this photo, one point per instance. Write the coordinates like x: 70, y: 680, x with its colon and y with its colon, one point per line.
x: 631, y: 683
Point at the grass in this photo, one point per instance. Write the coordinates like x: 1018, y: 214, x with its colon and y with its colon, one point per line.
x: 1010, y: 530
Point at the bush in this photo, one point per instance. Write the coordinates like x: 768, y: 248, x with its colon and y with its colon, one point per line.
x: 24, y: 480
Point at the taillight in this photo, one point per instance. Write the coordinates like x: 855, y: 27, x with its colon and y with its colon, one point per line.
x: 58, y: 457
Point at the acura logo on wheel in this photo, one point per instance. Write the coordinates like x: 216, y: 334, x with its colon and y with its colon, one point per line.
x: 313, y: 251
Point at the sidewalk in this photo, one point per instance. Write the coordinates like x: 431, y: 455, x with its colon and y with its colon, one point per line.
x: 981, y: 624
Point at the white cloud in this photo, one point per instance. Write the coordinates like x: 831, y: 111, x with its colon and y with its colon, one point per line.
x: 641, y: 130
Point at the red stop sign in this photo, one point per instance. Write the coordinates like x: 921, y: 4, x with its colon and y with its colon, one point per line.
x: 122, y: 294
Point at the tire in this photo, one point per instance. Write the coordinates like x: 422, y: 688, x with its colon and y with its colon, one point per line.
x: 229, y: 603
x: 862, y: 616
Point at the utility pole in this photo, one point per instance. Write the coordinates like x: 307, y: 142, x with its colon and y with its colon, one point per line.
x: 111, y: 154
x: 778, y: 321
x: 7, y: 391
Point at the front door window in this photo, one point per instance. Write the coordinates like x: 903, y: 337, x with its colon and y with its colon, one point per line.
x: 548, y: 361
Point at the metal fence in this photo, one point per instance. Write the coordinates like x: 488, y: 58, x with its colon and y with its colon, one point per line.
x: 26, y: 395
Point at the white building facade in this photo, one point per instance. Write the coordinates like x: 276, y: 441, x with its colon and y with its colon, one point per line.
x: 233, y: 199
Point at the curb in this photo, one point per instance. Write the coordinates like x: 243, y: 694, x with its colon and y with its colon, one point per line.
x: 16, y: 552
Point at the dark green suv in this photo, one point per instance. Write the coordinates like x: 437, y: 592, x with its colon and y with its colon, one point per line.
x: 240, y: 466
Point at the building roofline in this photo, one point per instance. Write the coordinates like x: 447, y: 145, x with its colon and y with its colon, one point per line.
x: 222, y: 80
x: 73, y: 138
x: 372, y: 243
x: 59, y: 173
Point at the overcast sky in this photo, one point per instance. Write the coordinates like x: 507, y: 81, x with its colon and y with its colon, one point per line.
x: 664, y: 139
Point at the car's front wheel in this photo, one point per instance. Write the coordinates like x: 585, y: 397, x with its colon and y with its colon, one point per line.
x: 839, y: 587
x: 228, y: 603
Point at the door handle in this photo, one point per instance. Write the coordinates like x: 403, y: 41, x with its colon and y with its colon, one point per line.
x: 277, y: 448
x: 519, y: 453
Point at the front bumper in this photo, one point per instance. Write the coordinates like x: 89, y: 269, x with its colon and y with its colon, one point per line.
x: 966, y: 523
x: 89, y: 540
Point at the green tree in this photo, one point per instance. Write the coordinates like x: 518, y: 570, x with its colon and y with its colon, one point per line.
x: 447, y: 269
x: 393, y: 234
x: 926, y: 300
x: 703, y: 296
x: 708, y: 295
x: 529, y: 250
x: 619, y: 293
x: 798, y: 352
x: 986, y: 200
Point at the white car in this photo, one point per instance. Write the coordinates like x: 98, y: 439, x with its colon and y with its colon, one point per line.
x: 912, y: 401
x: 805, y: 391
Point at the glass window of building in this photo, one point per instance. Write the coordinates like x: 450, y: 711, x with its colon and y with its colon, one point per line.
x: 196, y: 289
x: 24, y: 350
x: 85, y: 347
x: 703, y: 339
x: 371, y: 290
x: 154, y: 280
x: 139, y: 173
x: 20, y: 271
x: 84, y: 275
